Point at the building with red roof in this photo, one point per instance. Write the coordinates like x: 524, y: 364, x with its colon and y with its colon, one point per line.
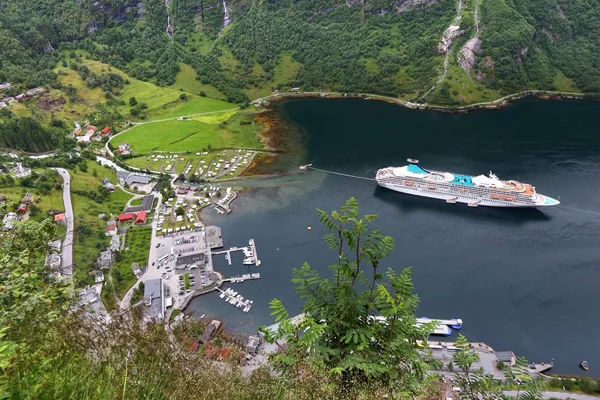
x: 110, y: 230
x: 141, y: 217
x: 106, y: 131
x: 126, y: 217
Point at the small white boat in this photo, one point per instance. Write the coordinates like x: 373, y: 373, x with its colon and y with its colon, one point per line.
x: 452, y: 200
x: 473, y: 205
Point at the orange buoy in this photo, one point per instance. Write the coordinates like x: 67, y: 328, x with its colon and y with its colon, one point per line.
x: 309, y: 228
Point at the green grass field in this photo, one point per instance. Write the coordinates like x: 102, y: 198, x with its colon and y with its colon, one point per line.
x: 137, y: 248
x: 192, y: 135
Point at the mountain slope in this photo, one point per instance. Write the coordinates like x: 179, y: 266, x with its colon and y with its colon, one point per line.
x: 389, y: 47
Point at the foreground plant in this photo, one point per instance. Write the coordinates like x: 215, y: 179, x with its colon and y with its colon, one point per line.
x: 359, y: 324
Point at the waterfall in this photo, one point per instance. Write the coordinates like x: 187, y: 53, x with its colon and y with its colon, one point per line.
x: 226, y: 17
x: 169, y: 26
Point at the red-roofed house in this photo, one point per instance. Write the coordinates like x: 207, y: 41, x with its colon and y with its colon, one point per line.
x: 126, y: 217
x: 141, y: 217
x: 110, y: 230
x: 106, y: 131
x: 22, y: 208
x: 60, y: 217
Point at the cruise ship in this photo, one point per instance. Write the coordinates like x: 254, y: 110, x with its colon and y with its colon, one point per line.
x: 475, y: 191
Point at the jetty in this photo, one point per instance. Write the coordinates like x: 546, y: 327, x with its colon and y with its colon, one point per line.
x: 232, y: 297
x: 242, y: 278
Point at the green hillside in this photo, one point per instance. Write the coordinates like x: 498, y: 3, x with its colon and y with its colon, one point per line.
x: 387, y: 47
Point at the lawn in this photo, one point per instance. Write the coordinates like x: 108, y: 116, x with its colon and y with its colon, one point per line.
x: 137, y: 249
x: 193, y: 135
x: 186, y: 281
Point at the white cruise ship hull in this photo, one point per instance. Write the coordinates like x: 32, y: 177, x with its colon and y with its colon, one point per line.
x: 475, y: 191
x: 458, y: 198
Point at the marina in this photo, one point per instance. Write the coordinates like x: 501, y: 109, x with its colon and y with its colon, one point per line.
x: 250, y: 256
x: 232, y: 297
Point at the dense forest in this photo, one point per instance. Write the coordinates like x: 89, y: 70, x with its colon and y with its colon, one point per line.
x: 386, y: 47
x: 28, y: 135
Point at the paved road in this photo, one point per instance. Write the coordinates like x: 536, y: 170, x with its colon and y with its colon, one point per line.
x: 557, y: 395
x: 67, y: 249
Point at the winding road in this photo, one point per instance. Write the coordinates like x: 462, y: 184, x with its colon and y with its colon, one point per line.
x: 67, y: 248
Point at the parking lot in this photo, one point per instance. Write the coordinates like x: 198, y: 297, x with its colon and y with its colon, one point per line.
x: 184, y: 262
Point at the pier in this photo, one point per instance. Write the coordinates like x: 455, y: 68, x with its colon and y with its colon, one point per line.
x: 249, y: 252
x: 242, y: 278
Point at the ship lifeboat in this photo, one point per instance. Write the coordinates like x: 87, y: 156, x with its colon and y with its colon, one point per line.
x: 431, y: 187
x: 509, y: 198
x: 495, y: 196
x: 409, y: 183
x: 464, y: 190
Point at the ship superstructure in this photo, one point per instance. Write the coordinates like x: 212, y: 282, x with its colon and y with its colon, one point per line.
x: 475, y: 191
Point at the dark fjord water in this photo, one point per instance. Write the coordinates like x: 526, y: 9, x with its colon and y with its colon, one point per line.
x: 521, y: 280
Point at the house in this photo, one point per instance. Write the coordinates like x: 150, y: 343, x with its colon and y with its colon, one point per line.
x: 115, y: 243
x: 153, y: 300
x: 5, y: 85
x: 124, y: 148
x: 22, y: 208
x: 210, y: 331
x: 126, y: 217
x: 110, y: 230
x: 147, y: 203
x: 28, y: 198
x: 106, y: 131
x: 108, y: 185
x: 105, y: 260
x: 98, y: 276
x: 22, y: 97
x: 508, y: 358
x: 10, y: 220
x: 60, y: 218
x: 111, y: 222
x: 130, y: 178
x: 252, y: 344
x: 53, y: 261
x: 141, y: 217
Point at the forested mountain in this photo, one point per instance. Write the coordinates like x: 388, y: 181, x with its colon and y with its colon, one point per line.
x: 390, y: 47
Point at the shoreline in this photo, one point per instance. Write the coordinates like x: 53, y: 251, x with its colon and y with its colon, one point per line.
x: 497, y: 104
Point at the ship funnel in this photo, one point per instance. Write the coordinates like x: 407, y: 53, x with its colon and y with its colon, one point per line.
x: 412, y: 160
